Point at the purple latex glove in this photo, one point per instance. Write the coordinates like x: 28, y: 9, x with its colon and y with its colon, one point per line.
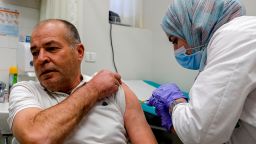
x: 167, y: 93
x: 161, y: 111
x: 161, y: 99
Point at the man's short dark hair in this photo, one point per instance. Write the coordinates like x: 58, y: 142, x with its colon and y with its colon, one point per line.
x: 72, y: 35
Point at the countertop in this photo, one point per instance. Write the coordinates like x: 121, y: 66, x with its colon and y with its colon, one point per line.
x: 4, y: 107
x: 4, y: 128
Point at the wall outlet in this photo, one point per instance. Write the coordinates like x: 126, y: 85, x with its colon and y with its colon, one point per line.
x: 90, y: 57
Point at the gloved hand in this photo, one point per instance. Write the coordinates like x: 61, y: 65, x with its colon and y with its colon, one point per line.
x: 162, y: 98
x: 162, y: 111
x: 167, y: 93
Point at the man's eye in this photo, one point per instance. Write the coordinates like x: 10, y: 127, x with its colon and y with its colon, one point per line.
x: 51, y: 49
x: 35, y: 53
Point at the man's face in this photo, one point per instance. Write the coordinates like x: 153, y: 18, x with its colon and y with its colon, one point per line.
x: 57, y: 64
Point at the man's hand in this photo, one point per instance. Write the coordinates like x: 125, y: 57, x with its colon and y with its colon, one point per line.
x: 105, y: 83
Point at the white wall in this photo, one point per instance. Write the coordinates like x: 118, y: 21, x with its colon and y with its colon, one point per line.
x: 28, y: 17
x: 132, y: 46
x: 133, y: 52
x: 250, y: 7
x: 94, y: 30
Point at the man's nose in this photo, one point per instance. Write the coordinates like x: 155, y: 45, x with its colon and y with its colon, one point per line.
x: 42, y: 57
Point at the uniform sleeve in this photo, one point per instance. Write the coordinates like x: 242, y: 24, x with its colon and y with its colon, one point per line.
x: 21, y: 97
x: 219, y: 92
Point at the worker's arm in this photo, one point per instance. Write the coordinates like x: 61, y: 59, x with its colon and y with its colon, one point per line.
x: 136, y: 125
x: 177, y: 101
x: 218, y: 96
x: 52, y: 125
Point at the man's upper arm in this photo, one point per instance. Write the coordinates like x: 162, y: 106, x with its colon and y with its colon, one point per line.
x: 20, y: 98
x: 135, y: 123
x: 22, y: 107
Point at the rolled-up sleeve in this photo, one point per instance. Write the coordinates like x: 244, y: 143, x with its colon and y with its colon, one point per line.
x: 21, y: 97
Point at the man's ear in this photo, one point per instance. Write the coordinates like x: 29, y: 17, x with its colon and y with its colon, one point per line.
x: 80, y: 51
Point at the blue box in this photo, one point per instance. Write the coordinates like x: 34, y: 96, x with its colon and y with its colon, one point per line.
x: 27, y: 39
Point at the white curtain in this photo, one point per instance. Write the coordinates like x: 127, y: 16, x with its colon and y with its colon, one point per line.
x: 130, y: 11
x: 62, y: 9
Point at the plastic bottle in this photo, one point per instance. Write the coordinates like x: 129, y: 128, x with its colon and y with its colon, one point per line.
x: 13, y: 76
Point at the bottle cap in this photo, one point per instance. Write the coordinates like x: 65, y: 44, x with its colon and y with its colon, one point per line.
x: 13, y: 70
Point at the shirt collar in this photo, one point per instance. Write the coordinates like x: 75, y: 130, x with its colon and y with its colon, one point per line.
x: 62, y: 94
x: 83, y: 81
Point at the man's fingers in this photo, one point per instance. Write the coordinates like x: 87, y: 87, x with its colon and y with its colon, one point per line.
x: 118, y: 78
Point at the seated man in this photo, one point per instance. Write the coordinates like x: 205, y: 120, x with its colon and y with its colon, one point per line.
x: 66, y: 106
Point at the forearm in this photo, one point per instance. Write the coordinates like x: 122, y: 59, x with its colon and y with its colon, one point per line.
x: 52, y: 125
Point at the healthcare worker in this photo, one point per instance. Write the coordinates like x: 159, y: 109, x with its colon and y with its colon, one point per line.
x: 214, y: 37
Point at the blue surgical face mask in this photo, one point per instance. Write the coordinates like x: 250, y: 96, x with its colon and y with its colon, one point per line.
x: 191, y: 61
